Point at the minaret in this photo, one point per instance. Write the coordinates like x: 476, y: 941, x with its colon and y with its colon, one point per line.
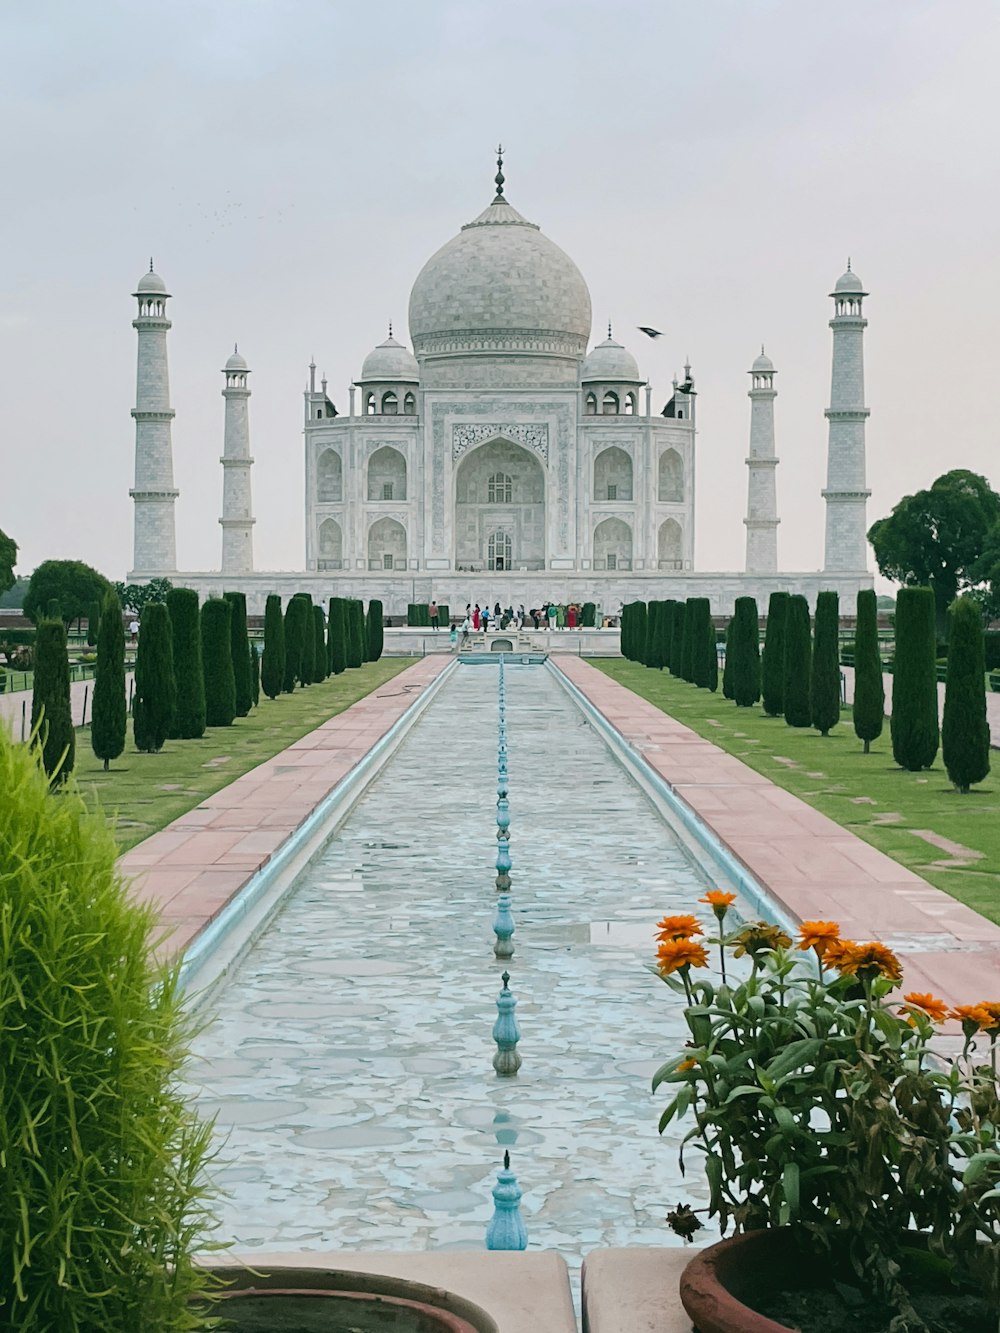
x: 237, y: 511
x: 846, y: 493
x: 154, y: 549
x: 762, y: 501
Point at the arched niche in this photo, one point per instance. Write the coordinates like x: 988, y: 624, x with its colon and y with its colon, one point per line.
x: 670, y: 545
x: 612, y: 475
x: 390, y: 404
x: 590, y: 405
x: 410, y: 405
x: 387, y: 475
x: 671, y: 476
x: 613, y: 544
x: 610, y: 404
x: 329, y: 477
x: 330, y: 544
x: 485, y: 506
x: 386, y: 544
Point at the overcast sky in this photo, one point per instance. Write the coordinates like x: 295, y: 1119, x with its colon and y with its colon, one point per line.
x: 291, y: 165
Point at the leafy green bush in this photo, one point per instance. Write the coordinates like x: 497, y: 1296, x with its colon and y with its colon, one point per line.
x: 272, y: 668
x: 74, y: 586
x: 704, y: 655
x: 746, y: 652
x: 155, y: 695
x: 337, y: 630
x: 965, y: 732
x: 320, y: 670
x: 376, y: 637
x: 868, y: 709
x: 189, y: 672
x: 50, y: 702
x: 588, y: 617
x: 824, y: 680
x: 676, y: 660
x: 355, y: 633
x: 295, y: 620
x: 913, y: 723
x: 798, y: 652
x: 217, y: 657
x: 240, y: 641
x: 772, y: 666
x: 103, y: 1200
x: 109, y: 715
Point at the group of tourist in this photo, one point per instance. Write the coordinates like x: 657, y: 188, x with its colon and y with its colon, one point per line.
x: 549, y: 615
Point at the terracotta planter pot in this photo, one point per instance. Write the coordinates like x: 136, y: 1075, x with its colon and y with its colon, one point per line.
x: 719, y: 1279
x: 310, y: 1300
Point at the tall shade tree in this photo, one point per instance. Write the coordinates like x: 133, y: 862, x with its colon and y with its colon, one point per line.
x: 824, y: 680
x: 272, y: 668
x: 294, y: 635
x: 772, y: 667
x: 155, y: 695
x: 8, y: 559
x: 913, y: 723
x: 320, y: 671
x: 936, y: 537
x: 745, y: 648
x: 376, y: 635
x: 868, y: 709
x: 337, y: 629
x: 240, y: 643
x: 355, y: 652
x: 50, y: 702
x: 189, y: 671
x: 109, y: 714
x: 798, y: 652
x: 217, y: 655
x: 965, y: 732
x: 676, y: 662
x: 71, y: 583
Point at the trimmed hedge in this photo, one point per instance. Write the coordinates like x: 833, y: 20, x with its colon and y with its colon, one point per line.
x: 744, y: 644
x: 337, y: 629
x: 241, y: 652
x: 294, y: 634
x: 50, y: 702
x: 588, y: 615
x: 217, y: 657
x: 913, y: 722
x: 965, y: 732
x: 798, y: 653
x: 868, y: 709
x: 677, y: 639
x: 688, y: 651
x: 355, y: 633
x: 307, y: 657
x: 155, y: 695
x: 374, y: 630
x: 109, y: 713
x: 272, y: 667
x: 824, y: 683
x: 704, y: 652
x: 320, y: 669
x: 772, y: 667
x: 189, y: 674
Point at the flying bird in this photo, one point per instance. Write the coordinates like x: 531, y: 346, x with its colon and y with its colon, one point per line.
x: 650, y: 333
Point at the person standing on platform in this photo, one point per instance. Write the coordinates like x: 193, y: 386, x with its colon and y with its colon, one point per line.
x: 433, y: 610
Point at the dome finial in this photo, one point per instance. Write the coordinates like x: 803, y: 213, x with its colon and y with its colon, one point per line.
x: 236, y: 348
x: 390, y: 328
x: 609, y: 330
x: 499, y: 177
x: 150, y: 263
x: 848, y: 263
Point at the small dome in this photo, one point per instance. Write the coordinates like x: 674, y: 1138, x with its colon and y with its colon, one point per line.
x: 763, y: 365
x: 610, y: 361
x: 151, y: 282
x: 849, y: 282
x: 236, y: 362
x: 390, y: 361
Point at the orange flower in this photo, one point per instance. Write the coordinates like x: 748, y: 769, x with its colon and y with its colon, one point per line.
x: 935, y: 1009
x: 759, y: 937
x: 992, y: 1007
x: 818, y: 935
x: 678, y: 927
x: 872, y: 959
x: 836, y: 950
x: 973, y: 1017
x: 672, y: 955
x: 719, y: 901
x: 685, y: 1065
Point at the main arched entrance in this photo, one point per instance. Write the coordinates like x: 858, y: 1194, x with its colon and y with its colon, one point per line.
x: 500, y: 508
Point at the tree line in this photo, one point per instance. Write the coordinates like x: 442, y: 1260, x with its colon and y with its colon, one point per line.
x: 797, y: 673
x: 195, y: 667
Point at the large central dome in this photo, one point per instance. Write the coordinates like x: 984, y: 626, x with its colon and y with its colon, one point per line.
x: 499, y: 287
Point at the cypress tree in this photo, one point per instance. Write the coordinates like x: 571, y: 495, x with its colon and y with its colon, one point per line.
x: 965, y: 732
x: 704, y: 658
x: 798, y: 652
x: 320, y: 672
x: 727, y: 669
x: 189, y: 673
x: 651, y: 647
x: 376, y: 636
x: 677, y: 639
x: 272, y: 668
x: 307, y: 656
x: 50, y: 701
x: 772, y: 668
x: 623, y: 627
x: 254, y: 673
x: 824, y: 683
x: 355, y: 655
x: 688, y: 641
x: 913, y: 723
x: 869, y: 690
x: 294, y: 624
x: 94, y: 629
x: 241, y: 652
x: 108, y: 715
x: 155, y: 696
x: 745, y: 648
x: 639, y: 633
x: 217, y: 655
x: 338, y: 635
x: 666, y: 631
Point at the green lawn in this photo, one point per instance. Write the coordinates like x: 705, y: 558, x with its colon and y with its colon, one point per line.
x: 143, y: 792
x: 866, y: 793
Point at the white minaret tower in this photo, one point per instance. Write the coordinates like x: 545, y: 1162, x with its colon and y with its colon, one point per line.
x: 846, y: 493
x: 154, y: 550
x: 762, y: 500
x: 237, y: 511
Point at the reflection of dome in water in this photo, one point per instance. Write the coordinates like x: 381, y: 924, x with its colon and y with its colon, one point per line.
x: 500, y: 285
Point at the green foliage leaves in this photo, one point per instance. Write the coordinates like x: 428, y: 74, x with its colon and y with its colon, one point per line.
x: 337, y: 631
x: 773, y: 665
x: 376, y: 636
x: 355, y: 633
x: 108, y: 720
x: 136, y: 597
x: 868, y: 709
x: 8, y: 559
x: 272, y: 667
x: 155, y: 688
x: 965, y: 732
x: 189, y: 672
x: 743, y: 646
x: 824, y: 682
x: 240, y: 644
x: 71, y: 583
x: 103, y: 1200
x: 217, y: 658
x: 913, y: 722
x: 51, y: 716
x: 798, y: 653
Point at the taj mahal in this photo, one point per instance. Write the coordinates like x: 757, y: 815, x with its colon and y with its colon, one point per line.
x: 501, y: 457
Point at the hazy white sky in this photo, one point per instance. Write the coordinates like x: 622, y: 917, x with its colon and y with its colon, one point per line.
x: 292, y: 164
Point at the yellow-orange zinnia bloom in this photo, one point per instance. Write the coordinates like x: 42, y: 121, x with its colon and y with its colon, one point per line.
x: 873, y: 958
x: 977, y: 1014
x: 935, y: 1009
x: 678, y: 927
x: 685, y: 1065
x: 992, y: 1007
x: 818, y: 935
x: 836, y: 950
x: 719, y: 901
x: 672, y: 955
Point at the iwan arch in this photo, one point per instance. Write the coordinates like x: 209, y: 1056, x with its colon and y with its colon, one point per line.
x: 500, y: 458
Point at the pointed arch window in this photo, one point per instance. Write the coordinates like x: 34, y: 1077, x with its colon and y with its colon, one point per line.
x: 410, y: 405
x: 390, y: 404
x: 500, y: 488
x: 590, y: 405
x: 609, y: 407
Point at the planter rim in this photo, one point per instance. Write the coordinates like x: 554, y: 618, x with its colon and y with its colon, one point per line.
x: 707, y: 1299
x: 449, y: 1322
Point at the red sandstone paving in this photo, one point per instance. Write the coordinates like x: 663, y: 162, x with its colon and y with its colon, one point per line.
x: 810, y: 865
x: 192, y: 868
